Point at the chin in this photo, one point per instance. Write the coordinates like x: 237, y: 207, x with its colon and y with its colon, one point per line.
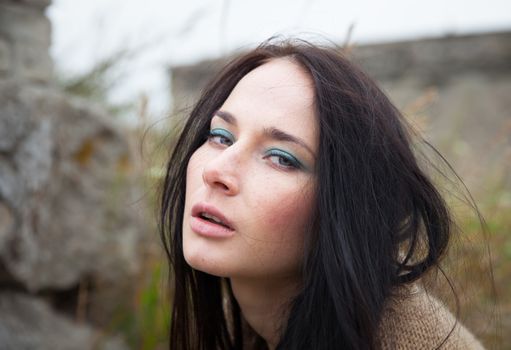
x: 200, y: 262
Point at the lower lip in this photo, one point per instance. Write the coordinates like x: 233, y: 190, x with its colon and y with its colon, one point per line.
x: 209, y: 229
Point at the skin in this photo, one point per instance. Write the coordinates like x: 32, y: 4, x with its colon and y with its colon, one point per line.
x: 265, y: 195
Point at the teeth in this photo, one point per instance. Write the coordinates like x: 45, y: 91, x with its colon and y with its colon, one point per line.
x: 212, y: 217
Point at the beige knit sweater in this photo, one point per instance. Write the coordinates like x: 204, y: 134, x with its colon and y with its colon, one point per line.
x: 419, y: 321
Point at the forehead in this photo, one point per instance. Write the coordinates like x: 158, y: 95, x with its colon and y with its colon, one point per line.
x: 278, y: 93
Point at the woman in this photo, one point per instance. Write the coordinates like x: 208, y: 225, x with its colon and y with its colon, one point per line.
x: 295, y: 215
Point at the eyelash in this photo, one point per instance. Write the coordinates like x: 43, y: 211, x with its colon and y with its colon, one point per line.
x: 292, y: 162
x: 222, y: 134
x: 218, y: 136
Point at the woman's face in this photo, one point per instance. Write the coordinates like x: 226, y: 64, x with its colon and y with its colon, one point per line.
x: 254, y: 175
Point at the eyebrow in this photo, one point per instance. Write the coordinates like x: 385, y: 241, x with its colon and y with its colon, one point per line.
x: 272, y: 132
x: 228, y: 117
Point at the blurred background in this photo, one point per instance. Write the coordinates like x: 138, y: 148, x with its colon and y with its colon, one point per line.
x: 92, y: 93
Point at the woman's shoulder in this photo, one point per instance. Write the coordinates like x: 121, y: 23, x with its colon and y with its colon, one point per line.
x: 415, y: 319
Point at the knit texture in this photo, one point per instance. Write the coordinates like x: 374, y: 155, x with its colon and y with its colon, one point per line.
x: 419, y: 321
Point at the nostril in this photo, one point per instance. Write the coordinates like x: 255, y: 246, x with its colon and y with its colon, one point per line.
x: 222, y: 185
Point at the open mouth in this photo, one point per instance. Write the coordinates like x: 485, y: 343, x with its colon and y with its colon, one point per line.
x: 213, y: 219
x: 209, y: 221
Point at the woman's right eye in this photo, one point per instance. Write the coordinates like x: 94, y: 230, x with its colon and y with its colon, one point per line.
x: 221, y: 137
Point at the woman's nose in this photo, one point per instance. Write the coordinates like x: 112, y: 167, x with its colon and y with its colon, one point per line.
x: 221, y: 173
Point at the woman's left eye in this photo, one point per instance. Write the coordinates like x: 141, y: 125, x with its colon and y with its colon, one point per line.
x: 283, y: 159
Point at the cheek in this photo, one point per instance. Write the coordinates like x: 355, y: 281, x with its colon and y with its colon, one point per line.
x: 194, y: 170
x: 285, y: 215
x: 282, y: 232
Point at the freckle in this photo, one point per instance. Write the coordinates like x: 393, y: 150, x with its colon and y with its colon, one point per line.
x: 273, y: 219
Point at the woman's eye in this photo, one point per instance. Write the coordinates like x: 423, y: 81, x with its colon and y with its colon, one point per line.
x: 283, y: 159
x: 221, y: 137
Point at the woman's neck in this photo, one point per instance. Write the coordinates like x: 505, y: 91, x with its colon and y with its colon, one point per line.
x: 265, y: 305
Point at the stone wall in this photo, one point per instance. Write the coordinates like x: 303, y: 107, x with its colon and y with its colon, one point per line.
x: 67, y: 194
x: 456, y: 89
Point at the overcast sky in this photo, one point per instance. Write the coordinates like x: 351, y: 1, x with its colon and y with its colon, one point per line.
x: 171, y: 32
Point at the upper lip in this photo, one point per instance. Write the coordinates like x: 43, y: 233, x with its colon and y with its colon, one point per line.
x: 201, y: 208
